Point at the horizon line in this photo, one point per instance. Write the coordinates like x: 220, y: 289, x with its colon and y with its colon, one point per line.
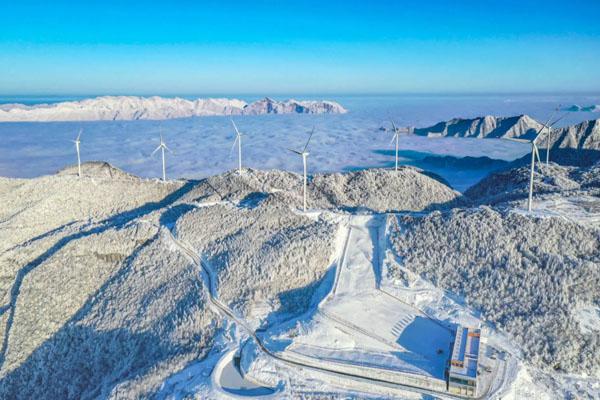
x: 303, y: 94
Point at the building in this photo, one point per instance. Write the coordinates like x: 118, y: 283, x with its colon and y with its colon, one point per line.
x: 462, y: 371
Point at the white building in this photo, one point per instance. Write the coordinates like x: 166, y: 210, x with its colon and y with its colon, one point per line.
x: 462, y: 373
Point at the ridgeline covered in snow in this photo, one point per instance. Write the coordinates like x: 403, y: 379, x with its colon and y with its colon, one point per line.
x: 513, y: 184
x: 584, y: 135
x: 101, y: 295
x: 489, y: 126
x: 99, y: 300
x: 158, y: 108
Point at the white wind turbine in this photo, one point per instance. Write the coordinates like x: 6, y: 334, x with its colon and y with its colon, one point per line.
x: 397, y: 132
x: 304, y: 155
x: 77, y: 143
x: 162, y: 147
x: 534, y: 154
x: 238, y: 139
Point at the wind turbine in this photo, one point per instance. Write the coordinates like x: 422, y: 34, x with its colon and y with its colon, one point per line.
x: 77, y: 143
x: 162, y: 147
x: 397, y: 132
x: 304, y: 155
x: 238, y: 139
x: 534, y: 154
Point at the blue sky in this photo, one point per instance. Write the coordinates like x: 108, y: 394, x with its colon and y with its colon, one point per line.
x: 280, y: 47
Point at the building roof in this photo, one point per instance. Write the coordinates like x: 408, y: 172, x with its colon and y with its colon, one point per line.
x: 465, y: 353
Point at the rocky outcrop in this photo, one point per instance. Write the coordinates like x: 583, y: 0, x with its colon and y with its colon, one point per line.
x: 270, y: 106
x: 522, y: 127
x: 585, y: 135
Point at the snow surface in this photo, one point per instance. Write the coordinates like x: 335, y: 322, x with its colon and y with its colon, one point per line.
x: 359, y: 326
x: 114, y: 108
x: 588, y: 317
x: 540, y: 269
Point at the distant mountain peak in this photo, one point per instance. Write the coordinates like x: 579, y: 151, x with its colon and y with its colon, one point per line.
x: 157, y: 108
x: 487, y: 126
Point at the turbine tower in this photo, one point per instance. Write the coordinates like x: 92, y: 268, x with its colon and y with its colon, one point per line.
x: 77, y: 143
x: 304, y: 155
x: 397, y: 132
x: 238, y: 139
x: 534, y: 154
x: 162, y: 147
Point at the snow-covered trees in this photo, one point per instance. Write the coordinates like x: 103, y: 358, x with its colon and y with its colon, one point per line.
x: 525, y: 274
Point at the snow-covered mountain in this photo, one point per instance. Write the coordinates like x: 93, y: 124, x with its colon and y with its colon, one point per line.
x: 156, y: 108
x: 489, y: 126
x: 270, y: 106
x: 585, y: 135
x: 135, y: 288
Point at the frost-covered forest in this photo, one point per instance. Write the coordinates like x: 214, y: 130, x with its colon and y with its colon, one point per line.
x: 98, y: 300
x: 526, y: 275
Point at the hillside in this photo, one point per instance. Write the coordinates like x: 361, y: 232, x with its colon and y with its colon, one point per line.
x: 98, y: 300
x: 528, y: 276
x: 383, y: 190
x: 157, y: 108
x: 513, y: 184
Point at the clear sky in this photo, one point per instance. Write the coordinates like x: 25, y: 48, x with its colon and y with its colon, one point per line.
x: 294, y: 47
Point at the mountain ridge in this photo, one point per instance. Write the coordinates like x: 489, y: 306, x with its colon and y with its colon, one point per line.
x: 584, y: 135
x: 105, y: 108
x: 489, y: 126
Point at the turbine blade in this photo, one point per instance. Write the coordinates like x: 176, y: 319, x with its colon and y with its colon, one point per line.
x: 394, y: 126
x: 512, y: 139
x: 559, y: 118
x: 295, y: 151
x: 537, y: 135
x: 393, y: 138
x: 308, y: 141
x: 236, y: 129
x: 537, y: 153
x: 155, y: 150
x: 79, y: 134
x: 234, y: 142
x: 166, y: 148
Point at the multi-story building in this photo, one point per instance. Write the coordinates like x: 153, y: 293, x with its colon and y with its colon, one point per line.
x: 462, y: 371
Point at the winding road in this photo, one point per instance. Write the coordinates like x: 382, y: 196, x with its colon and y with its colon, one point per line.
x: 219, y: 307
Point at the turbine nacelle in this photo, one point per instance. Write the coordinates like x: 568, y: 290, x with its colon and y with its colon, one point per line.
x: 300, y: 153
x: 162, y: 145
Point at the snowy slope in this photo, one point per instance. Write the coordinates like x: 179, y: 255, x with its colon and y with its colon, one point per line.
x: 157, y: 108
x: 585, y: 135
x: 513, y: 184
x: 521, y: 126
